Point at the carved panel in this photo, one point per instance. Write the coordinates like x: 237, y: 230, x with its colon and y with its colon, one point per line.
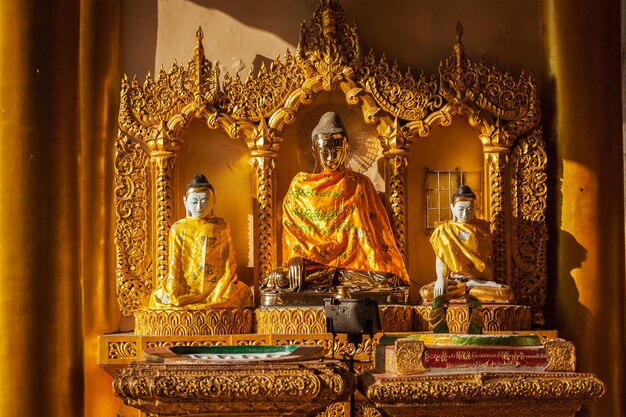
x: 398, y: 104
x: 193, y: 322
x: 133, y: 200
x: 528, y: 206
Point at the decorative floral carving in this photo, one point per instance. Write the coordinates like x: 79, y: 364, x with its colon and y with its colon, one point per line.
x: 193, y: 322
x: 122, y: 350
x: 399, y: 93
x: 397, y: 103
x: 329, y: 48
x: 273, y: 390
x: 132, y: 234
x: 528, y: 206
x: 261, y: 94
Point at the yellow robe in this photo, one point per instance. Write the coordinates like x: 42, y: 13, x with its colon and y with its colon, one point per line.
x: 336, y: 218
x: 465, y: 248
x: 202, y: 268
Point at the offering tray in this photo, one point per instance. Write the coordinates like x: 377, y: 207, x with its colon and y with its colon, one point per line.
x: 221, y: 355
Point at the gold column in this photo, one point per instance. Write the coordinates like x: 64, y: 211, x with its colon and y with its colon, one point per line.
x: 264, y: 250
x: 163, y: 163
x: 40, y: 292
x: 397, y: 199
x: 584, y: 133
x: 496, y: 162
x: 99, y: 75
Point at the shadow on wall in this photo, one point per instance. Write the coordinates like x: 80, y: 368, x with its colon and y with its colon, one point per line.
x: 255, y: 14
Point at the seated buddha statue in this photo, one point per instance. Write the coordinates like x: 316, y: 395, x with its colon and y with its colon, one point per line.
x: 202, y: 266
x: 463, y: 250
x: 336, y: 232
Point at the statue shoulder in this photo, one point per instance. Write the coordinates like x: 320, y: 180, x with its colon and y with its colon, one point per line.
x: 219, y: 222
x: 359, y: 178
x: 481, y: 224
x: 180, y: 223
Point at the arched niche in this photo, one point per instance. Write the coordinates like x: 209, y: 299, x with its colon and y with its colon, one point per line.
x: 268, y: 111
x: 450, y: 148
x: 226, y: 164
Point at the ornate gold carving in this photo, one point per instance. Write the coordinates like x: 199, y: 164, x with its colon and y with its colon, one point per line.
x: 264, y: 389
x: 261, y: 94
x: 562, y: 355
x: 163, y: 173
x: 396, y: 318
x: 409, y: 356
x: 132, y: 233
x: 397, y: 165
x: 496, y: 164
x: 193, y: 322
x: 122, y: 350
x: 170, y: 101
x: 310, y: 320
x: 399, y: 93
x: 290, y: 320
x: 487, y: 392
x: 506, y: 318
x: 497, y: 317
x: 529, y: 231
x: 329, y: 57
x: 491, y: 97
x: 335, y: 410
x: 329, y: 48
x: 265, y: 229
x: 364, y: 409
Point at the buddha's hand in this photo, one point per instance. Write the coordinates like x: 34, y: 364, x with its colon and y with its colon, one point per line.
x: 296, y: 273
x: 276, y: 280
x: 440, y: 287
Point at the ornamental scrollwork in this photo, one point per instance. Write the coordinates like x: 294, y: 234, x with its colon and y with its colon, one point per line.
x: 529, y: 234
x: 400, y: 94
x: 132, y: 234
x: 122, y: 350
x: 399, y: 104
x: 261, y: 94
x: 329, y: 47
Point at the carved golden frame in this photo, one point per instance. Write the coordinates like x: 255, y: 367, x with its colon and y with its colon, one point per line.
x: 155, y: 115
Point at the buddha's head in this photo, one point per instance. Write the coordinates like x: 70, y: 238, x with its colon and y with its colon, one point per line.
x: 462, y: 206
x: 330, y: 143
x: 199, y: 197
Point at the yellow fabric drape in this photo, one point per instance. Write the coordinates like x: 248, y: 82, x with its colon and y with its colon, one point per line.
x: 464, y: 247
x: 59, y: 83
x: 337, y: 219
x: 202, y: 268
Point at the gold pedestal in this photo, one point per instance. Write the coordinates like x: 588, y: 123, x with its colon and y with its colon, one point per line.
x: 312, y: 319
x: 193, y: 322
x: 295, y: 389
x: 497, y: 317
x: 556, y: 394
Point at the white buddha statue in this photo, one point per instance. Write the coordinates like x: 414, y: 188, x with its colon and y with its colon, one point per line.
x: 463, y: 250
x: 202, y: 265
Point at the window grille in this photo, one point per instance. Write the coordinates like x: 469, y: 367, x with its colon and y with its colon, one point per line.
x: 441, y: 186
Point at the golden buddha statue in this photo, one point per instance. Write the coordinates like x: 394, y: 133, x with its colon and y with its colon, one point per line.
x: 463, y: 250
x: 202, y: 265
x: 335, y: 229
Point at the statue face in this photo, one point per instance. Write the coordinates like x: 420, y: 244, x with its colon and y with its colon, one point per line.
x: 330, y: 153
x: 199, y: 203
x: 463, y: 211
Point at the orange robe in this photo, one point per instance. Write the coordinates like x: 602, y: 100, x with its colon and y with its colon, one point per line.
x: 335, y: 218
x: 202, y: 268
